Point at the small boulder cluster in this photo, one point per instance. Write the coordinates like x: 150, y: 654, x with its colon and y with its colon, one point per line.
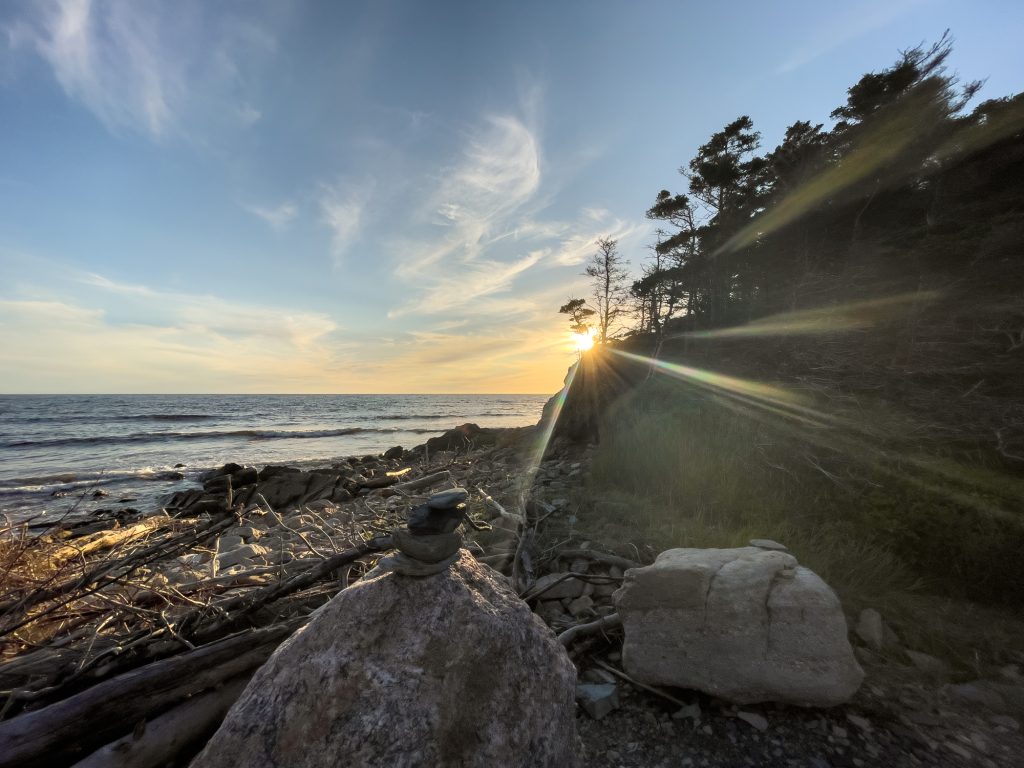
x: 285, y: 487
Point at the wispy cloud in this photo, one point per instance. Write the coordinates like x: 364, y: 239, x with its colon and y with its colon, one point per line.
x: 457, y: 292
x: 580, y: 239
x: 278, y: 217
x: 210, y: 314
x: 342, y: 211
x: 498, y: 172
x: 107, y: 335
x: 486, y: 234
x: 159, y: 341
x: 139, y: 65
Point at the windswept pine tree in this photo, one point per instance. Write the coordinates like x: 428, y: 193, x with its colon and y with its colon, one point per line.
x: 824, y: 216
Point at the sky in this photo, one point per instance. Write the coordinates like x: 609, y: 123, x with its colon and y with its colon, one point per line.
x: 382, y: 196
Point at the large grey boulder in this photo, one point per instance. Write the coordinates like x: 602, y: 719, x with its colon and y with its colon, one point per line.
x: 747, y: 625
x: 447, y: 670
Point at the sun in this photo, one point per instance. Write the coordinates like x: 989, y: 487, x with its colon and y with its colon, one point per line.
x: 583, y: 341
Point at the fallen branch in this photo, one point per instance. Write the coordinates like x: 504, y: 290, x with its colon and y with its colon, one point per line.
x: 605, y: 622
x: 422, y: 482
x: 600, y: 557
x: 588, y: 577
x: 518, y: 518
x: 637, y: 684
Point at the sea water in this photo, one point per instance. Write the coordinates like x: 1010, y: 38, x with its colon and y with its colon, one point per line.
x: 57, y: 451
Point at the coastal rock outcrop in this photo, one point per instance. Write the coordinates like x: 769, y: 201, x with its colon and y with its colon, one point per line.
x: 461, y: 439
x: 282, y: 487
x: 447, y: 670
x: 746, y: 624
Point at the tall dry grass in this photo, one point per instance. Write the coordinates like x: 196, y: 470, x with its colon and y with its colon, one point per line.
x: 676, y: 468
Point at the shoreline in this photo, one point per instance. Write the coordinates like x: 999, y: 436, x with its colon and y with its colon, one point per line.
x: 54, y: 449
x: 49, y: 497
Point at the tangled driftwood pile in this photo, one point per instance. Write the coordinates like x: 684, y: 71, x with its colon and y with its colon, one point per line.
x: 126, y: 645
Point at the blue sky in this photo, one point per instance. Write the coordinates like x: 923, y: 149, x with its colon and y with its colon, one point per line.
x: 378, y: 197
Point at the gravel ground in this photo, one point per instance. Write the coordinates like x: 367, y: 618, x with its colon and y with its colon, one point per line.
x: 904, y: 725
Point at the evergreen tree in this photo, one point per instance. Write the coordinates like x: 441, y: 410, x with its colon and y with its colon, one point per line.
x: 578, y: 313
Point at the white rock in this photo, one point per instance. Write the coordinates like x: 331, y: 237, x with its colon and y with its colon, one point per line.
x: 597, y: 699
x: 581, y: 606
x: 691, y: 711
x: 195, y: 559
x: 298, y: 521
x: 240, y: 555
x: 447, y: 670
x: 322, y: 506
x: 871, y: 629
x: 248, y: 532
x: 227, y: 543
x: 927, y: 663
x: 752, y: 718
x: 745, y: 624
x: 556, y: 586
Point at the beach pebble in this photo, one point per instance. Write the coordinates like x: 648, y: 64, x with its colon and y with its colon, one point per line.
x: 241, y: 554
x: 597, y: 699
x: 552, y: 586
x: 581, y: 606
x: 248, y: 532
x: 752, y: 718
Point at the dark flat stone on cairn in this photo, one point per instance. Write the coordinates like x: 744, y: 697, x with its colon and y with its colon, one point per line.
x: 449, y: 499
x: 442, y: 513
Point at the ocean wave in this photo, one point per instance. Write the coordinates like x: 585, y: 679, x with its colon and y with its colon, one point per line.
x: 252, y: 434
x: 69, y: 481
x: 425, y: 416
x: 105, y: 418
x: 171, y: 417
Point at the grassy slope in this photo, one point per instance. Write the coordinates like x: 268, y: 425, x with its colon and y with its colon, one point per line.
x: 923, y: 536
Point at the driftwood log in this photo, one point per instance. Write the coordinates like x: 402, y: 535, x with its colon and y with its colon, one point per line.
x: 57, y: 734
x: 97, y: 542
x: 172, y: 733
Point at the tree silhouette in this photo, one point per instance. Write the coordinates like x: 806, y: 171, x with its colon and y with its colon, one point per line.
x: 578, y: 312
x: 611, y: 292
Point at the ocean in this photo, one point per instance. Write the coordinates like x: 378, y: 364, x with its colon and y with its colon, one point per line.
x: 57, y: 451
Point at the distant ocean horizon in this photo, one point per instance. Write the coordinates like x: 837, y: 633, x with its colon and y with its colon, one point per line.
x: 57, y: 451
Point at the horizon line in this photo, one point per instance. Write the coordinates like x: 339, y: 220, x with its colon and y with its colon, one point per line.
x: 268, y: 394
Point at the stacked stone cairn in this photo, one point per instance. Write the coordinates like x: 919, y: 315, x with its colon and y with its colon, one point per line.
x: 430, y: 541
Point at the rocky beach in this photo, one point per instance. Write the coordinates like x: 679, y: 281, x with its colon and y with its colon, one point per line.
x: 286, y: 290
x: 776, y: 673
